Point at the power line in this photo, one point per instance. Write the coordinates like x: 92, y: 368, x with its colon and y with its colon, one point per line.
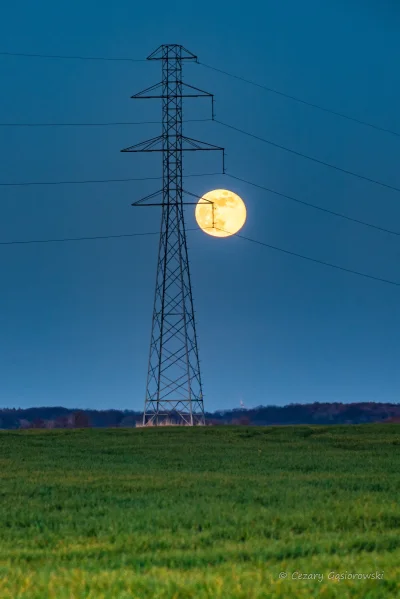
x: 332, y: 166
x: 354, y: 272
x: 296, y: 99
x: 77, y: 238
x: 110, y: 124
x: 265, y: 87
x: 355, y: 220
x: 25, y: 54
x: 97, y: 180
x: 126, y: 235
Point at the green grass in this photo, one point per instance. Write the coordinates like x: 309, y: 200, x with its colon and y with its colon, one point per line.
x: 203, y: 513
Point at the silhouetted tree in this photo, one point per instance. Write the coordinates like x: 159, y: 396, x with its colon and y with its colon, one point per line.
x: 80, y: 420
x: 61, y: 422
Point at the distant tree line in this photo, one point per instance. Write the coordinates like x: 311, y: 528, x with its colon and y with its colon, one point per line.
x: 315, y: 413
x: 58, y: 417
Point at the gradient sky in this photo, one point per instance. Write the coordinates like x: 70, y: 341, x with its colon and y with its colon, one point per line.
x: 273, y: 329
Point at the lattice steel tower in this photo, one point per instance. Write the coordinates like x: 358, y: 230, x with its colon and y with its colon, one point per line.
x: 174, y: 389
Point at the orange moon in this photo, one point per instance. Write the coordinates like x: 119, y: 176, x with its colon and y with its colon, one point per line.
x: 224, y: 217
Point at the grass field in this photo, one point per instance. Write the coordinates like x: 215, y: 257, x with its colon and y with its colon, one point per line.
x: 204, y: 513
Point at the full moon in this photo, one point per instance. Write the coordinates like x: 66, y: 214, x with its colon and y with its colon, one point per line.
x: 223, y: 217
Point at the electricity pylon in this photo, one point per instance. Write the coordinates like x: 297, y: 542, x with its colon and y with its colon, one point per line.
x: 174, y: 389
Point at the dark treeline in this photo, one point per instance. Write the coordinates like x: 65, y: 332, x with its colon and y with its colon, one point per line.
x: 316, y: 413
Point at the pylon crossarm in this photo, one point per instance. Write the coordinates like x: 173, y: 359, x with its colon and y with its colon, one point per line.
x: 141, y: 95
x: 168, y: 51
x: 149, y: 197
x: 201, y: 145
x: 146, y: 146
x: 202, y: 92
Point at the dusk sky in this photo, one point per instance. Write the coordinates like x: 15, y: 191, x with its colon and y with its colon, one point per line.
x: 75, y: 317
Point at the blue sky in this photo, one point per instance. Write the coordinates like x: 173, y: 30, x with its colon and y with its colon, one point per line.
x: 273, y: 329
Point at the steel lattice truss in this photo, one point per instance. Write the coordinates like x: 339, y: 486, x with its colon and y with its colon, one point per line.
x: 174, y: 388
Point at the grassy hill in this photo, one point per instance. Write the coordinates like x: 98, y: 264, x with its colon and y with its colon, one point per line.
x: 209, y: 512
